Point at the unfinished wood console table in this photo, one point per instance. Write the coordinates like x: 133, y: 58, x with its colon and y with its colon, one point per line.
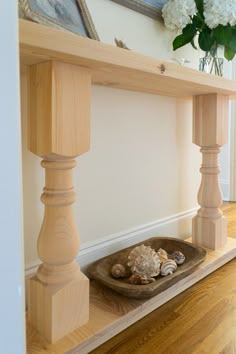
x: 60, y: 70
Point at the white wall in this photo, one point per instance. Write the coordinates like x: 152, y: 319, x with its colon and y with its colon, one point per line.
x: 233, y: 143
x: 224, y: 163
x: 140, y: 33
x: 12, y: 333
x: 142, y: 166
x: 224, y: 156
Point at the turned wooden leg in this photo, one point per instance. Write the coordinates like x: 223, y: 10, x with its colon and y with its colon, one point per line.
x: 210, y: 132
x: 59, y: 288
x: 58, y: 242
x: 59, y: 98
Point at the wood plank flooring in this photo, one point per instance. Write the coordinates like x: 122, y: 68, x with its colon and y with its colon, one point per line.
x: 201, y: 320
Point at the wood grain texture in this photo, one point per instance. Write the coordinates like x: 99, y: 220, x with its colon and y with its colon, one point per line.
x: 59, y: 109
x: 229, y: 210
x: 58, y: 296
x: 210, y: 120
x: 57, y: 309
x: 192, y: 316
x: 58, y: 129
x: 210, y: 126
x: 110, y: 312
x: 115, y: 67
x: 200, y: 320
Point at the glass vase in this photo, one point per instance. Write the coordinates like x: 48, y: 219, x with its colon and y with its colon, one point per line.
x: 212, y: 63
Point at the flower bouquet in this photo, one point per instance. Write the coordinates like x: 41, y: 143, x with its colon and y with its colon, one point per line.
x: 211, y: 22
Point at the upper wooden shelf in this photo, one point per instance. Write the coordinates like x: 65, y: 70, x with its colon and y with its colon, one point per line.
x: 116, y: 67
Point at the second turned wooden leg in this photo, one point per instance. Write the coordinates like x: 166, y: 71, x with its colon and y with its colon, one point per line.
x: 209, y: 225
x: 210, y: 132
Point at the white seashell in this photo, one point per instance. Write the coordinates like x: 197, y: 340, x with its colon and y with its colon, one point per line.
x: 118, y: 271
x: 144, y: 260
x: 178, y: 257
x: 168, y: 267
x: 162, y: 254
x: 138, y: 279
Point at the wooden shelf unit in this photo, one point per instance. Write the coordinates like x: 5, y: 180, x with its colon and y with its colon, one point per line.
x: 58, y: 66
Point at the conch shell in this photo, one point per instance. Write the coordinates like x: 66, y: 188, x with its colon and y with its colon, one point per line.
x: 143, y: 260
x: 168, y: 267
x: 178, y: 257
x: 162, y: 254
x: 138, y: 279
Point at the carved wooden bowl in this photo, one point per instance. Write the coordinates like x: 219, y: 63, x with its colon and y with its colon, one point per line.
x: 101, y: 269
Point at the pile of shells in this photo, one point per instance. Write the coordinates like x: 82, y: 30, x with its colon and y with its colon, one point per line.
x: 145, y: 264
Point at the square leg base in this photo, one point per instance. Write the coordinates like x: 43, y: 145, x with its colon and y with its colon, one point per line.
x: 209, y: 233
x: 57, y: 309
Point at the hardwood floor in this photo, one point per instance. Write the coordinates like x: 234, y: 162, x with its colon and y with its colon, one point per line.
x: 201, y: 320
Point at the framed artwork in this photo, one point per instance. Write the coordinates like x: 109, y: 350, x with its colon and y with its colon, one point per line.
x: 150, y: 8
x: 20, y: 11
x: 70, y: 15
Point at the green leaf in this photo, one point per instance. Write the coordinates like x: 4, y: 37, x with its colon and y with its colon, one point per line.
x: 222, y: 34
x: 186, y: 37
x: 180, y: 41
x: 198, y: 22
x: 232, y: 41
x: 226, y: 35
x: 229, y: 54
x: 189, y: 31
x: 206, y: 40
x: 200, y: 8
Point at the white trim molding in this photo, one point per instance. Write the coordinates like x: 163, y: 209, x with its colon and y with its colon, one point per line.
x: 225, y: 189
x: 92, y: 251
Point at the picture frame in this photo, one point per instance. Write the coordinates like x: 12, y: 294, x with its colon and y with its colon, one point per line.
x: 73, y: 17
x: 150, y: 8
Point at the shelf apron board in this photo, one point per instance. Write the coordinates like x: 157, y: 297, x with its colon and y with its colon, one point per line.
x: 111, y: 313
x: 116, y: 67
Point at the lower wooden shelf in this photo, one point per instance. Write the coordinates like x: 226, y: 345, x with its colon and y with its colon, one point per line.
x: 111, y: 313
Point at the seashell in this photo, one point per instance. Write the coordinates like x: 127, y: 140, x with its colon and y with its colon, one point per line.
x: 118, y: 271
x: 178, y: 257
x: 121, y: 44
x: 144, y: 260
x: 138, y: 279
x: 162, y: 254
x: 168, y: 267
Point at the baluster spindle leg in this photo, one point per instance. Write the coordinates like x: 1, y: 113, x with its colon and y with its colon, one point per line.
x: 58, y: 123
x: 210, y: 133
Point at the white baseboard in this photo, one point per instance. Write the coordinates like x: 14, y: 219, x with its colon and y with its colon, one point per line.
x: 225, y: 189
x: 90, y: 252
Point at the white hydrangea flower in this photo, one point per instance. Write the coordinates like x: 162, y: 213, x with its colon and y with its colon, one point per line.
x: 220, y: 12
x: 177, y: 13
